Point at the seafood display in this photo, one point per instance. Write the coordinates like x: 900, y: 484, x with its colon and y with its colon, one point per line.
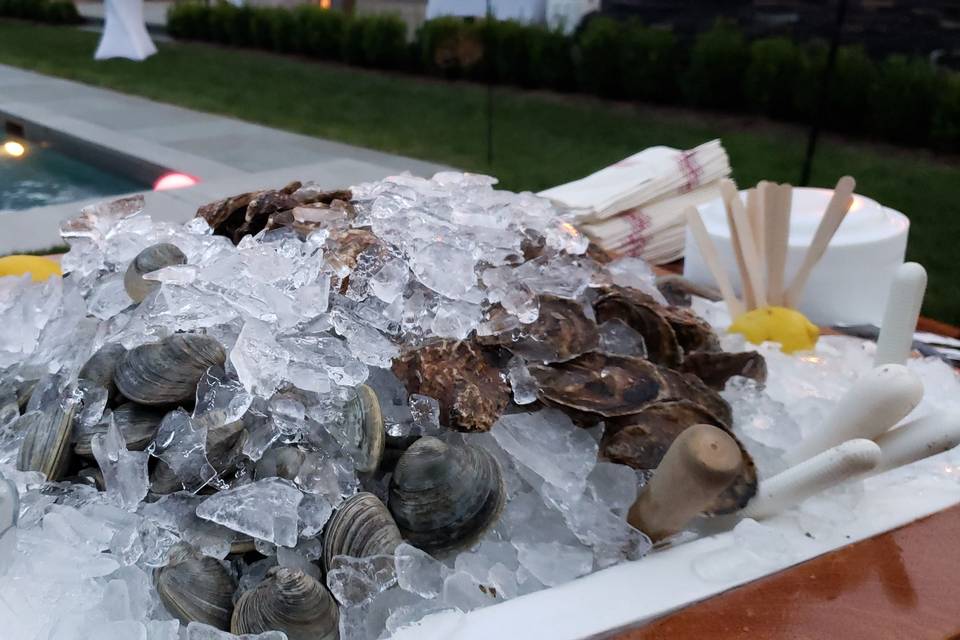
x: 331, y: 413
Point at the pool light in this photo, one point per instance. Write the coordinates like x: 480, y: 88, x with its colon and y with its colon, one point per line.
x: 14, y: 149
x: 174, y: 181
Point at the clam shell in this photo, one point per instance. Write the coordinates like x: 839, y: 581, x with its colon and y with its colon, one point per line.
x: 365, y: 408
x: 46, y: 441
x: 137, y: 424
x: 102, y: 365
x: 360, y: 527
x: 641, y: 440
x: 444, y: 497
x: 150, y: 259
x: 280, y: 462
x: 196, y: 588
x: 290, y: 601
x: 167, y: 372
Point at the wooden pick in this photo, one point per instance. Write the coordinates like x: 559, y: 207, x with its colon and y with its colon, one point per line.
x: 777, y: 232
x: 756, y: 213
x: 748, y: 246
x: 700, y: 463
x: 839, y: 204
x: 709, y: 253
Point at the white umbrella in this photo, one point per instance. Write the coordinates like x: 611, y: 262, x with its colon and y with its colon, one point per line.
x: 125, y: 32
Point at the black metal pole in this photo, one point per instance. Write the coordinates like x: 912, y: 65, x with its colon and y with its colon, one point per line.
x: 490, y: 67
x: 824, y: 93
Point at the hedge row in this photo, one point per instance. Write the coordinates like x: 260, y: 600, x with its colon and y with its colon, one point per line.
x: 53, y: 11
x: 901, y: 99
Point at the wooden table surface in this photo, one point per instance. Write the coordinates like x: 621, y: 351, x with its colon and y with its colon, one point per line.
x: 901, y: 585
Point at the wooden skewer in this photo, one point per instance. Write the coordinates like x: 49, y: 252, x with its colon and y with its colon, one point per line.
x: 778, y: 199
x: 756, y: 214
x: 709, y: 253
x: 748, y: 246
x: 746, y: 286
x: 839, y: 204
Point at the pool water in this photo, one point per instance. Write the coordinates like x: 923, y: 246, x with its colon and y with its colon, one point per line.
x: 43, y: 176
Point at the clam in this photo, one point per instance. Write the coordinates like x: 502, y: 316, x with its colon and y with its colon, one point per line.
x: 290, y: 601
x: 137, y: 424
x: 464, y: 377
x: 561, y: 331
x: 280, y: 462
x: 46, y: 441
x: 101, y: 366
x: 196, y: 588
x: 163, y: 480
x: 150, y: 259
x: 444, y: 497
x: 644, y: 315
x: 364, y: 412
x: 167, y: 372
x: 642, y: 439
x: 91, y: 476
x: 715, y: 368
x: 360, y: 527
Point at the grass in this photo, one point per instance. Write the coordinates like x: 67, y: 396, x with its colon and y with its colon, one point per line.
x: 539, y: 140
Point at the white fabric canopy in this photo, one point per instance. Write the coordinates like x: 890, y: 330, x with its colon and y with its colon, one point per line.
x: 522, y: 10
x: 125, y: 32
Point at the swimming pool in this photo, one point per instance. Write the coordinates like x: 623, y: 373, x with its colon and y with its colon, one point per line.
x: 37, y: 175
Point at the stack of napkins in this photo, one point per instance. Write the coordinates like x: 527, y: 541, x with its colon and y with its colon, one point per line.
x: 636, y: 207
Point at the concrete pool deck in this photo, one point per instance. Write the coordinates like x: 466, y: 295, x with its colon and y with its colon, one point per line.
x: 227, y: 156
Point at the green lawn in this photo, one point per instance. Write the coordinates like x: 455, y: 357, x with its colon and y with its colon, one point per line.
x: 539, y: 140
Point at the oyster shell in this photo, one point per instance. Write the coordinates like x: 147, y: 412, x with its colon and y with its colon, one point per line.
x: 150, y: 259
x: 196, y: 588
x: 137, y: 424
x: 641, y: 440
x: 644, y: 315
x: 715, y: 368
x: 463, y: 376
x: 167, y: 372
x: 444, y: 497
x: 693, y: 332
x: 561, y: 331
x: 360, y: 527
x: 288, y: 600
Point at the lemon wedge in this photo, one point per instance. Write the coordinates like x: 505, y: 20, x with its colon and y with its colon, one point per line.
x: 777, y: 324
x: 39, y: 268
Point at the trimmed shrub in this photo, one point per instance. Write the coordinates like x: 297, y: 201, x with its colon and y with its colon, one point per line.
x: 188, y: 20
x: 321, y: 32
x: 718, y: 60
x: 549, y: 64
x: 441, y: 44
x: 284, y: 34
x: 905, y: 99
x: 946, y: 122
x: 352, y: 51
x: 847, y: 102
x: 599, y: 55
x: 261, y: 27
x: 61, y: 12
x: 384, y: 42
x: 510, y: 50
x: 649, y: 63
x: 772, y: 79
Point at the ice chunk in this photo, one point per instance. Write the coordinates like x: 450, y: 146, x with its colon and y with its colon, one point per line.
x: 265, y: 509
x: 425, y: 412
x: 220, y: 399
x: 181, y: 442
x: 635, y: 273
x: 200, y: 631
x: 314, y: 512
x: 445, y: 269
x: 260, y: 362
x: 523, y: 385
x: 356, y: 581
x: 553, y: 563
x: 756, y: 548
x: 124, y: 472
x: 418, y: 572
x: 109, y: 297
x: 455, y: 319
x: 549, y: 444
x: 390, y: 280
x: 618, y: 338
x: 462, y: 592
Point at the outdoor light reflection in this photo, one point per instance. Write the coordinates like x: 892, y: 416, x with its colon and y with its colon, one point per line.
x: 14, y: 149
x: 174, y: 181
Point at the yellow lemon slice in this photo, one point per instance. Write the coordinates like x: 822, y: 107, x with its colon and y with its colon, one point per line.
x: 777, y: 324
x: 39, y: 268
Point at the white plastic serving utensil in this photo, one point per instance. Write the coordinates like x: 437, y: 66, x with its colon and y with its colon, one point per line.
x: 829, y: 468
x: 881, y: 398
x: 901, y: 314
x: 918, y: 439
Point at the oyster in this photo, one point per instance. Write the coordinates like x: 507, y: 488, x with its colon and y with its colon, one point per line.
x: 561, y: 331
x: 463, y: 376
x: 693, y: 332
x: 642, y: 439
x: 100, y: 368
x: 167, y: 372
x: 247, y: 213
x: 644, y: 315
x: 679, y: 291
x: 137, y: 424
x: 360, y: 527
x: 290, y: 601
x: 715, y: 368
x: 196, y: 588
x: 150, y: 259
x: 46, y: 441
x: 444, y: 497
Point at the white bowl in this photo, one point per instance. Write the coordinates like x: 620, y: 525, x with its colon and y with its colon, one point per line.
x: 850, y: 283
